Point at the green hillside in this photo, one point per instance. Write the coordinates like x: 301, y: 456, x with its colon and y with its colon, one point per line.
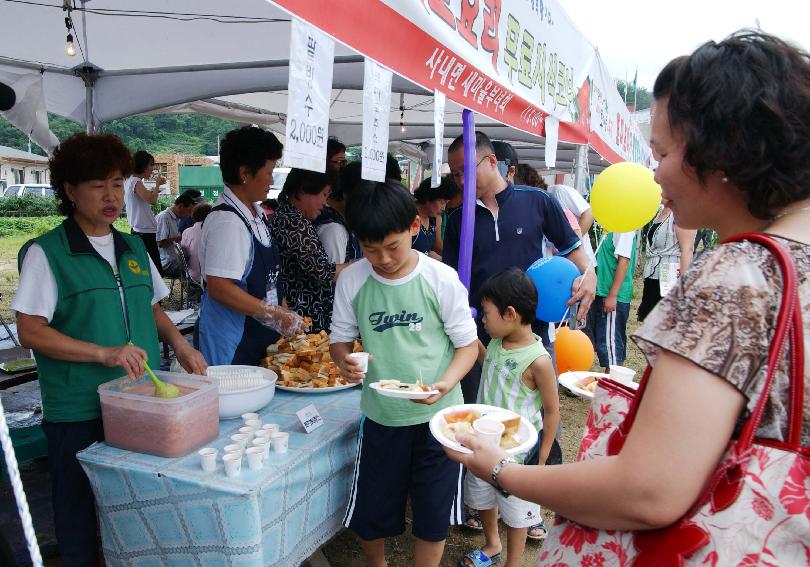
x: 168, y: 133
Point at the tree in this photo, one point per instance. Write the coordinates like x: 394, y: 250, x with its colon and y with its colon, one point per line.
x: 643, y: 99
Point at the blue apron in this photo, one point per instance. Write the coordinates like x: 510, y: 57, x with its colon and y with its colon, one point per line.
x: 228, y: 337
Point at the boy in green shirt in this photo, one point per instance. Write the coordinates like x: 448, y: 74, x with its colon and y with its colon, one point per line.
x: 413, y: 316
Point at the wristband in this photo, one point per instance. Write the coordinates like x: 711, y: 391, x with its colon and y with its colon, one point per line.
x: 496, y: 471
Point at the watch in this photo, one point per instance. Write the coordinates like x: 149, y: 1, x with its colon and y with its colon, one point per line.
x: 496, y: 471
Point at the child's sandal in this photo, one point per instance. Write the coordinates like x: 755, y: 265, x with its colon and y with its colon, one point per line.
x: 479, y: 559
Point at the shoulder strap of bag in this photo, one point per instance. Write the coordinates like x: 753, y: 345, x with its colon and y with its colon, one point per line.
x: 788, y: 323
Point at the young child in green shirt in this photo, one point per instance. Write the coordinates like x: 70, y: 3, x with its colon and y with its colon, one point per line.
x: 413, y: 316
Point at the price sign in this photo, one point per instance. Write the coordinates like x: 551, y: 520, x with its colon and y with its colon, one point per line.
x: 438, y: 142
x: 376, y: 106
x: 310, y: 87
x: 668, y: 276
x: 310, y: 418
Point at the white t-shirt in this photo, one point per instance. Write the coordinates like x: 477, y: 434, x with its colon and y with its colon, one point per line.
x: 574, y: 202
x: 37, y: 293
x: 623, y: 244
x: 335, y: 239
x: 167, y: 228
x: 224, y: 249
x: 139, y: 212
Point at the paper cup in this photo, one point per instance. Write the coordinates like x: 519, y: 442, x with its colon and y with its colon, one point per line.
x: 271, y: 428
x: 247, y: 431
x: 280, y: 441
x: 254, y: 423
x: 490, y: 430
x: 233, y: 464
x: 240, y: 438
x: 234, y: 448
x: 263, y: 434
x: 248, y: 416
x: 208, y: 458
x: 362, y: 359
x: 264, y: 444
x: 622, y: 374
x: 254, y: 457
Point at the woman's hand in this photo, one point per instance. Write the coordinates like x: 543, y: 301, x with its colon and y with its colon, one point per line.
x: 285, y: 322
x: 130, y: 358
x: 483, y: 459
x: 190, y: 359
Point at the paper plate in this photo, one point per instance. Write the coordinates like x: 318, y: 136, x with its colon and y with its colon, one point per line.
x: 317, y: 390
x: 526, y: 432
x: 569, y: 379
x: 404, y: 395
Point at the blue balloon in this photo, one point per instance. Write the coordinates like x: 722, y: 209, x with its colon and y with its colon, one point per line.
x: 554, y: 278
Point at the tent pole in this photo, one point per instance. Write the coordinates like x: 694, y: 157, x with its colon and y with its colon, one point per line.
x: 468, y: 201
x: 579, y: 168
x: 88, y: 109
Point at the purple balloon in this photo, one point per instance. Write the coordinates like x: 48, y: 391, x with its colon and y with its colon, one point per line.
x: 468, y: 201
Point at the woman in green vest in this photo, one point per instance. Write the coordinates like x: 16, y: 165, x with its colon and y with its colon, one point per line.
x: 86, y: 291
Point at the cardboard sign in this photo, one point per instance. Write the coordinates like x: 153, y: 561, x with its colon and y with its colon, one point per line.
x: 668, y: 276
x: 376, y: 106
x: 310, y: 418
x: 310, y: 89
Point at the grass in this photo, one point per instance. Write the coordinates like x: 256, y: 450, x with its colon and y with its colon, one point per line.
x: 343, y: 550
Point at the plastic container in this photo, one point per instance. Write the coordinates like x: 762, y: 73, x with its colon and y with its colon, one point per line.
x: 167, y: 427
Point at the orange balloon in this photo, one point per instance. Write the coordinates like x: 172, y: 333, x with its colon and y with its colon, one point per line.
x: 573, y: 350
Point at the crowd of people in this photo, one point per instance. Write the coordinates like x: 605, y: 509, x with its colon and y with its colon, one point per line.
x: 340, y: 254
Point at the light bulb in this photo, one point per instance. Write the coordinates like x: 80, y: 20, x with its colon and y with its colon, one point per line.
x: 401, y: 127
x: 69, y: 47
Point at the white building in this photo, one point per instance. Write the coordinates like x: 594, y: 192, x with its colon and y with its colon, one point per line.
x: 18, y: 166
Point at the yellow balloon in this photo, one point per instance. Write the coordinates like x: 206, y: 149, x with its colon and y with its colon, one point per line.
x: 625, y: 197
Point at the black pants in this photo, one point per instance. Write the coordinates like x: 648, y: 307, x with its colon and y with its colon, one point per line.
x: 649, y: 298
x: 74, y: 508
x: 150, y: 240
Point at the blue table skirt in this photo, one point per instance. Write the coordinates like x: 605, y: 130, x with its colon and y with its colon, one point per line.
x: 156, y: 511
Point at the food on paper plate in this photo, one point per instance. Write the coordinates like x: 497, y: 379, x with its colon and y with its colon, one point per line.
x: 588, y: 384
x: 461, y: 422
x: 402, y: 386
x: 303, y: 361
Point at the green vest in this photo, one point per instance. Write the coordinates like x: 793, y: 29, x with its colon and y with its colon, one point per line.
x: 89, y: 308
x: 607, y: 262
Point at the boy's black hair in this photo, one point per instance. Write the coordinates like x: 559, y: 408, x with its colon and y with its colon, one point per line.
x: 514, y: 287
x: 375, y: 210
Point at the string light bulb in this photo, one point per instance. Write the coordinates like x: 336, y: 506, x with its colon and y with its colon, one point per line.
x: 70, y: 49
x: 402, y: 112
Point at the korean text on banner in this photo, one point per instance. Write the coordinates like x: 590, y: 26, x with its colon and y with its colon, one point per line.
x: 376, y: 106
x: 438, y: 123
x: 311, y: 57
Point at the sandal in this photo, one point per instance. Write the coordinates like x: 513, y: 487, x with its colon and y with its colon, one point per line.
x: 473, y: 521
x: 537, y: 532
x: 480, y: 559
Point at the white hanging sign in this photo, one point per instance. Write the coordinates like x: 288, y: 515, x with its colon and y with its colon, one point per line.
x: 552, y: 135
x: 310, y: 86
x: 376, y: 107
x: 668, y: 276
x: 438, y: 142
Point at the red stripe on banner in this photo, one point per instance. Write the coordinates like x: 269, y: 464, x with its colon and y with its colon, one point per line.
x: 379, y: 32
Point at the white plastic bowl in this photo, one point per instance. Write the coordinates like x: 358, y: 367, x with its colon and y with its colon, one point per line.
x: 238, y: 396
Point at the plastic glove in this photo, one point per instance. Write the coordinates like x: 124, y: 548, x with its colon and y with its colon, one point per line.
x: 285, y: 322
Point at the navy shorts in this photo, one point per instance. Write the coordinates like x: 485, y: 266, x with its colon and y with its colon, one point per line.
x: 392, y: 464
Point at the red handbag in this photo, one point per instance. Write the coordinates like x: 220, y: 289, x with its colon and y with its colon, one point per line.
x: 755, y: 509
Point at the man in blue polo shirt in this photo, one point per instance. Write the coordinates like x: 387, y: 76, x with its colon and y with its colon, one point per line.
x: 510, y: 223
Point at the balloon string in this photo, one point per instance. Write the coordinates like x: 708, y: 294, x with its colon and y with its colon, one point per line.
x: 582, y: 281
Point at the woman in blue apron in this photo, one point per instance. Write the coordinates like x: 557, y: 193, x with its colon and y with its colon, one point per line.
x: 243, y: 309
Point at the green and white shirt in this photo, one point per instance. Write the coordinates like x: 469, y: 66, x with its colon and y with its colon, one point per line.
x: 409, y: 325
x: 502, y: 379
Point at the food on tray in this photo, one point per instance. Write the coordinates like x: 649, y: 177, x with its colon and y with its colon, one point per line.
x: 588, y: 384
x: 303, y: 361
x: 403, y: 386
x: 461, y: 422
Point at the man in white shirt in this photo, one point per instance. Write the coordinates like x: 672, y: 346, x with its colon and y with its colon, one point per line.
x: 168, y: 235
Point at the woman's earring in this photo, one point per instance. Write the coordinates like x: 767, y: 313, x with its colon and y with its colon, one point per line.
x: 724, y: 179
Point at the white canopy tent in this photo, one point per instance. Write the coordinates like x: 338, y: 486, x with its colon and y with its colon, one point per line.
x: 232, y: 61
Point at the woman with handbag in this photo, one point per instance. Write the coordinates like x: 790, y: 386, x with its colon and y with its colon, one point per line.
x: 709, y: 464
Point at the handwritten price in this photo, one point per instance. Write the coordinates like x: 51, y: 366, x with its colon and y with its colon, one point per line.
x: 306, y: 133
